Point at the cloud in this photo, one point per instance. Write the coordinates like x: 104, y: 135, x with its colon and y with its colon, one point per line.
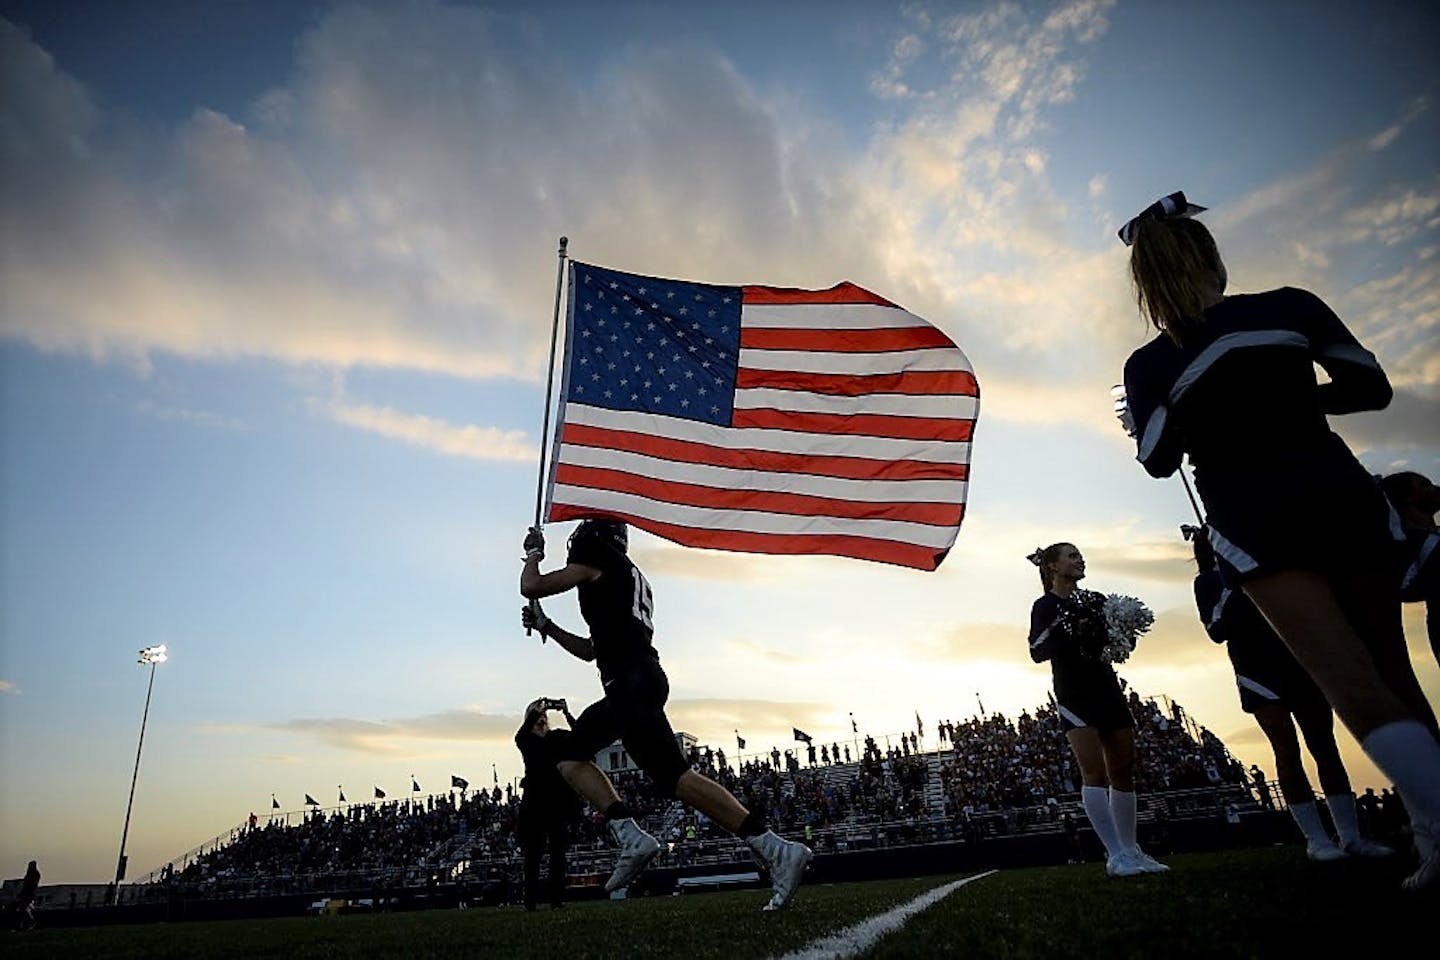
x: 695, y: 564
x: 440, y: 436
x: 7, y: 687
x: 1412, y: 421
x: 751, y: 650
x: 197, y: 418
x: 703, y: 715
x: 343, y: 221
x: 1390, y: 134
x: 395, y: 200
x: 389, y: 736
x: 1168, y: 561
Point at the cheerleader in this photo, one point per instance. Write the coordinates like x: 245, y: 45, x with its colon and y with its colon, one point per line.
x: 1417, y: 500
x: 1294, y: 519
x: 1279, y: 694
x: 1067, y: 627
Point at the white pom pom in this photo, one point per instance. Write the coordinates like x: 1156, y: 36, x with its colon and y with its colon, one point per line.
x: 1126, y: 618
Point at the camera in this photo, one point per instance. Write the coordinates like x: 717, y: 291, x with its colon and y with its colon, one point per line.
x: 552, y: 704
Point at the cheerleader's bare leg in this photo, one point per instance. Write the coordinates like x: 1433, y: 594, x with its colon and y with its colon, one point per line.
x: 1275, y: 721
x: 1304, y: 610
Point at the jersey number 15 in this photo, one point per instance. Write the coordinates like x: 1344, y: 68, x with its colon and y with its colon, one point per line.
x: 644, y: 599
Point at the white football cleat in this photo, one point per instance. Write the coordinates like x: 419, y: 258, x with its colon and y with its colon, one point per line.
x: 1323, y: 851
x: 1360, y: 847
x: 786, y: 860
x: 637, y: 849
x: 1146, y: 862
x: 1123, y: 864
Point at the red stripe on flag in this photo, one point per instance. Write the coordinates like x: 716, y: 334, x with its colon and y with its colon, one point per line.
x: 923, y: 383
x: 844, y: 292
x: 868, y: 425
x: 766, y: 461
x: 765, y: 501
x: 883, y: 340
x: 860, y: 548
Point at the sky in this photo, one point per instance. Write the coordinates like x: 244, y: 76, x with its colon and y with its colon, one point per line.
x: 276, y: 290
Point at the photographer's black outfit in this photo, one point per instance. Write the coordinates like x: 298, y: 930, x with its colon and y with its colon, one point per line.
x: 548, y: 809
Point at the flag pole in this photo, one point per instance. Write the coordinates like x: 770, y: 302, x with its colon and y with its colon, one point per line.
x: 1194, y: 504
x: 550, y: 379
x: 549, y: 389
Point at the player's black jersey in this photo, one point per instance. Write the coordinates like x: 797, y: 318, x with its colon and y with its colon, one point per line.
x: 1240, y: 393
x: 618, y: 605
x: 1072, y: 643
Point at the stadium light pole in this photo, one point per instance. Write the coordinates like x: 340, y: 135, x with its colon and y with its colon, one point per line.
x: 151, y: 656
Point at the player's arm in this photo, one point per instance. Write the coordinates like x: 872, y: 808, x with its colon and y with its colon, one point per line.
x: 533, y: 617
x: 535, y: 585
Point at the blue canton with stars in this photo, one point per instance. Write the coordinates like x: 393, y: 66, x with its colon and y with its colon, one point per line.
x: 653, y: 346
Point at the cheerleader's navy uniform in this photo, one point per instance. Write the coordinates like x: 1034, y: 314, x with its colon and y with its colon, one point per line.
x: 1265, y: 670
x: 1420, y: 582
x: 1240, y: 397
x: 1087, y: 692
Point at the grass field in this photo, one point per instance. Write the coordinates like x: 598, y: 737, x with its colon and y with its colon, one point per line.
x: 1252, y: 903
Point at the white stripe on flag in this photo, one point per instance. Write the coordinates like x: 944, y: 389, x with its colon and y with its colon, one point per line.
x: 880, y: 404
x: 826, y: 316
x: 872, y: 491
x: 754, y: 521
x: 932, y: 359
x: 777, y: 441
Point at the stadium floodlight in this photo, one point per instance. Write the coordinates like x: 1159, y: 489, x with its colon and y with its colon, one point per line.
x: 150, y: 656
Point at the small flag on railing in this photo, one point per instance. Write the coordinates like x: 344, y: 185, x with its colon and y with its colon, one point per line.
x: 801, y: 735
x: 379, y: 794
x: 274, y: 804
x: 459, y: 782
x: 342, y: 793
x: 854, y: 727
x: 495, y: 774
x: 414, y: 784
x: 739, y: 740
x: 311, y: 801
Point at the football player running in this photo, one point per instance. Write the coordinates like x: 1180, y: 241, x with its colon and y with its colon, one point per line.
x: 617, y: 604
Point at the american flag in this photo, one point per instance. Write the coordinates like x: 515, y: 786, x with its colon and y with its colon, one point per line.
x: 762, y: 419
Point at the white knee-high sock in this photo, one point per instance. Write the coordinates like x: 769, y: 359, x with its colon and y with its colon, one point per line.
x: 1096, y: 801
x: 1406, y: 752
x: 1122, y: 808
x: 1342, y: 812
x: 1307, y: 818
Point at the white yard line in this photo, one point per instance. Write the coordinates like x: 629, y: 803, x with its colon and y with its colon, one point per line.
x: 853, y: 941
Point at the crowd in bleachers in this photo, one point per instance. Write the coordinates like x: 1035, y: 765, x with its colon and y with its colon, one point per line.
x: 1008, y: 773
